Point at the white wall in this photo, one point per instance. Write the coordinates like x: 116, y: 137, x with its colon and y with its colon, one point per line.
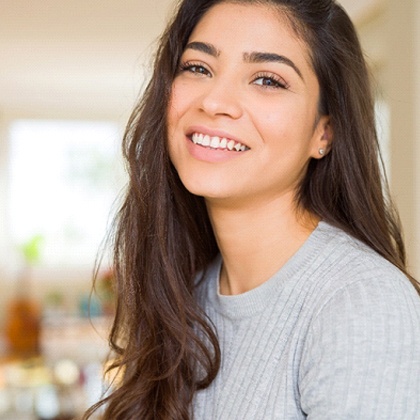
x: 402, y: 86
x: 391, y: 39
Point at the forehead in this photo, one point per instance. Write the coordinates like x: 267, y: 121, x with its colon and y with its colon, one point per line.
x: 255, y: 26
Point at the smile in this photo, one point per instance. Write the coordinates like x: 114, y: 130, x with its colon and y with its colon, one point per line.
x: 218, y: 143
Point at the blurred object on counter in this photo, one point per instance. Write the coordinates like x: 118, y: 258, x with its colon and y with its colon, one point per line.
x: 63, y: 382
x: 23, y: 318
x: 54, y: 305
x: 23, y: 327
x: 33, y: 390
x: 90, y: 306
x: 105, y: 288
x: 73, y: 338
x: 101, y: 301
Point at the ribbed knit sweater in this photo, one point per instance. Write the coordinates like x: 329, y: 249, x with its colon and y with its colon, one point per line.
x: 334, y: 334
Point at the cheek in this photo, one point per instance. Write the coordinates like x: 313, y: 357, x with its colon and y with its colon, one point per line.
x: 176, y: 109
x: 286, y: 122
x: 273, y: 115
x: 172, y: 114
x: 179, y: 102
x: 275, y: 125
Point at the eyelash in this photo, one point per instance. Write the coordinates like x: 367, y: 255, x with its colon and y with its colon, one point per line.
x: 277, y: 82
x: 192, y: 67
x: 200, y: 70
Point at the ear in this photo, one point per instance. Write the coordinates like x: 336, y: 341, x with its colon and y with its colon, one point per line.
x: 323, y: 137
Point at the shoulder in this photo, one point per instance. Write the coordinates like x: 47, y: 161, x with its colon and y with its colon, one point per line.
x: 361, y: 298
x: 348, y: 269
x: 363, y: 340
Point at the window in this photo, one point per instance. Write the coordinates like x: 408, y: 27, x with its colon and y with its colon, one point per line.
x: 64, y: 177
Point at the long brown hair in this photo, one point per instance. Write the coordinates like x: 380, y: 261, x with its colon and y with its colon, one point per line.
x: 163, y: 239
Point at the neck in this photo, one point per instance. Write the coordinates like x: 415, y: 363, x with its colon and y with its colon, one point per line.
x: 256, y: 241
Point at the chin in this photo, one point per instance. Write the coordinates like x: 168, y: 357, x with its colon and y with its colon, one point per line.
x: 203, y: 188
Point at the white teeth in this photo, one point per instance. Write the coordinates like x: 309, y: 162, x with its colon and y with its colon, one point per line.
x: 197, y: 138
x: 217, y: 142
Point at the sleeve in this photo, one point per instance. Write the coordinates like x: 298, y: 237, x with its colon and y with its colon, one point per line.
x: 361, y: 359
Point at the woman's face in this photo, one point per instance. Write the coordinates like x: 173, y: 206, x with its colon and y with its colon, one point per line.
x: 242, y: 120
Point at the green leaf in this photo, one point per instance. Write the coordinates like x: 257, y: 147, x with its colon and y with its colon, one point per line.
x: 32, y: 249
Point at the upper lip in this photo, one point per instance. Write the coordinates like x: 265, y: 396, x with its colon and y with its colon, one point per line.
x: 213, y: 133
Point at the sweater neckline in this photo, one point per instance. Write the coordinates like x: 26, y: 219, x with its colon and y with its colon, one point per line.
x: 256, y: 300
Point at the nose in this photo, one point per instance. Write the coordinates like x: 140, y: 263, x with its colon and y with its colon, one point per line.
x: 222, y: 98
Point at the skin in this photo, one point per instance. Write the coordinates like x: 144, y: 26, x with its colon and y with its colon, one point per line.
x: 268, y: 103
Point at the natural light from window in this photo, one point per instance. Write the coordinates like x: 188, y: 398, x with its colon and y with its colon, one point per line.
x: 64, y: 178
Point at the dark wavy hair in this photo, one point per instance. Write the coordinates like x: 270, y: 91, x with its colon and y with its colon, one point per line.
x: 164, y: 346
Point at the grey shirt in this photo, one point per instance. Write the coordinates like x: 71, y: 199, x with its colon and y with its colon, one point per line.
x: 334, y: 334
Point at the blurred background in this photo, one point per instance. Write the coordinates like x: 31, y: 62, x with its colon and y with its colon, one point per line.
x: 70, y: 72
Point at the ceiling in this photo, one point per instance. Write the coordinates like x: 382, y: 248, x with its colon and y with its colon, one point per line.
x: 82, y: 57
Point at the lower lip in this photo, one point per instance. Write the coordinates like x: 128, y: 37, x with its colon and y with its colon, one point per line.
x: 207, y: 154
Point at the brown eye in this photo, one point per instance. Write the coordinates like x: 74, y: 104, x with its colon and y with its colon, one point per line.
x: 270, y: 82
x: 195, y: 69
x: 198, y: 69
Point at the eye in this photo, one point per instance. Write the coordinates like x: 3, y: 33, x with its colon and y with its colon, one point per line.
x: 195, y: 68
x: 270, y: 81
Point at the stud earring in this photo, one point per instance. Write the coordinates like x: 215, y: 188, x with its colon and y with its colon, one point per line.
x: 321, y: 152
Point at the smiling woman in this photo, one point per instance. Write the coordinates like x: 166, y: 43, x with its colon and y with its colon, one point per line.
x: 260, y: 93
x: 260, y: 268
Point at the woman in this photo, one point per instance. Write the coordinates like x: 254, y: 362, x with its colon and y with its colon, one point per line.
x: 261, y: 271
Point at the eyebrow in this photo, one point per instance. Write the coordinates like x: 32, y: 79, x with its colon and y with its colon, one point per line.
x: 253, y: 57
x: 264, y: 57
x: 203, y: 47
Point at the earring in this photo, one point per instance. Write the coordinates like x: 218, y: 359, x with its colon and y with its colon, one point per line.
x: 321, y: 152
